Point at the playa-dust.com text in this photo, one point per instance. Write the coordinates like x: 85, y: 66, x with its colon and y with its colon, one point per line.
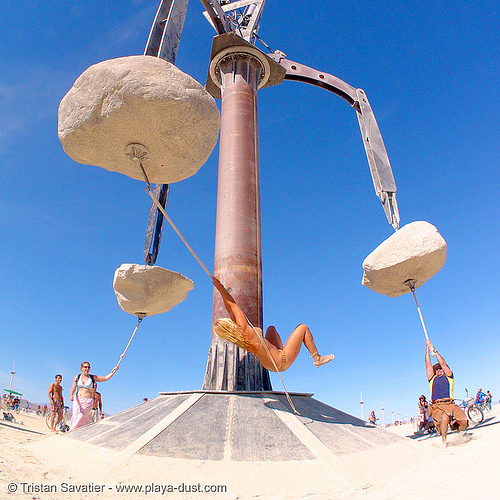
x: 150, y: 488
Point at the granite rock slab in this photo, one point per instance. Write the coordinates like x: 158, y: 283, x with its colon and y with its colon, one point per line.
x: 416, y: 251
x: 139, y: 100
x: 148, y: 290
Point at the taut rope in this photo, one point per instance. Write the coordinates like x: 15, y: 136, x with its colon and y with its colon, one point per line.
x: 411, y: 285
x: 174, y: 227
x: 140, y: 318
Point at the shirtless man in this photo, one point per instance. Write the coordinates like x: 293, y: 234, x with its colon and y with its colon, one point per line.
x: 98, y: 404
x: 56, y: 402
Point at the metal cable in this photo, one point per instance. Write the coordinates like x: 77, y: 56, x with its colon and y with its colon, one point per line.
x: 130, y: 341
x: 174, y: 227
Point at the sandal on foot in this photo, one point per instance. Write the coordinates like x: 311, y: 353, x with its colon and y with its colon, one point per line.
x: 324, y: 359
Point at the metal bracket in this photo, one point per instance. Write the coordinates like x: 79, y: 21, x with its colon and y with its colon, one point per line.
x: 411, y: 284
x: 243, y: 16
x: 378, y: 160
x: 380, y: 166
x: 232, y: 45
x: 216, y: 17
x: 136, y: 151
x: 301, y: 73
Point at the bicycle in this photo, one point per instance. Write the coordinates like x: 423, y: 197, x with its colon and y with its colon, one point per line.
x: 474, y: 413
x: 483, y: 406
x: 62, y: 426
x: 12, y: 408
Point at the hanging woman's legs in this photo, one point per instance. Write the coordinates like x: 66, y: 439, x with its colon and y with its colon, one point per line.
x: 285, y: 355
x: 238, y: 331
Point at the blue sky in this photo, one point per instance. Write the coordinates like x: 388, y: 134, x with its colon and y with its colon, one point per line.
x: 430, y: 71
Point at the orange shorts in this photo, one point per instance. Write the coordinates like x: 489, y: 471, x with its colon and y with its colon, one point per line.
x: 458, y: 420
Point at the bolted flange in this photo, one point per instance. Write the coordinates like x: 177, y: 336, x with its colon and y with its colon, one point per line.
x: 136, y: 151
x: 230, y: 45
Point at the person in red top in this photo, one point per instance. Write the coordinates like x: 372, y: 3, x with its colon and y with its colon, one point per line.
x: 443, y: 409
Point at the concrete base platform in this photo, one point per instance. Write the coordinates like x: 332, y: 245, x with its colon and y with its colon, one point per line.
x: 225, y: 436
x: 245, y: 426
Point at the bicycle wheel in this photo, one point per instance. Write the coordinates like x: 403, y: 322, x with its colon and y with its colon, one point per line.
x: 475, y: 414
x: 47, y: 420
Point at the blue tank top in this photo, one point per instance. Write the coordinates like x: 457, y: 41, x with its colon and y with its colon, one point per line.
x: 441, y: 387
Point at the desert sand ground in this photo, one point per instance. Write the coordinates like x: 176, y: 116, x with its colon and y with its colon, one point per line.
x: 414, y: 469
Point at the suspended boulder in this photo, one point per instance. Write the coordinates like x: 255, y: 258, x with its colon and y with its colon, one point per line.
x: 140, y: 100
x: 416, y: 252
x: 146, y: 290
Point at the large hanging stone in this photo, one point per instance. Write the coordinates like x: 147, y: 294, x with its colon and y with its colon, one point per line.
x: 139, y: 100
x: 146, y: 290
x: 416, y: 252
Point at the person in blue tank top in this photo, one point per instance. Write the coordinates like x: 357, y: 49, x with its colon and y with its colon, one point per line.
x: 480, y: 397
x: 443, y: 409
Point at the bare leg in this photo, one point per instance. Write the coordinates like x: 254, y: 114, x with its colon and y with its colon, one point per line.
x: 292, y: 347
x: 443, y: 428
x: 52, y: 418
x: 59, y: 418
x: 262, y: 347
x: 273, y: 336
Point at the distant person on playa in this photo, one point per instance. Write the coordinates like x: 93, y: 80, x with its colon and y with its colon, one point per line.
x: 488, y: 400
x: 251, y: 338
x: 372, y: 418
x: 83, y: 400
x: 145, y: 400
x: 426, y: 422
x: 8, y: 416
x: 443, y: 409
x: 97, y: 406
x: 56, y: 399
x: 480, y: 397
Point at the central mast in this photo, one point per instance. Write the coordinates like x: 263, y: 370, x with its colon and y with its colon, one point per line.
x: 238, y: 256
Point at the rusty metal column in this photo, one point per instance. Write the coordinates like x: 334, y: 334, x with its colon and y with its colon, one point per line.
x: 238, y: 260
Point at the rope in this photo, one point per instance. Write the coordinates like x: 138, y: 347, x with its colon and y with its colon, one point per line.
x: 130, y: 341
x: 411, y: 285
x: 277, y: 369
x: 174, y: 227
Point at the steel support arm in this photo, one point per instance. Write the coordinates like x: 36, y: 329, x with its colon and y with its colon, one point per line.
x: 163, y: 42
x: 219, y: 20
x: 165, y: 35
x: 378, y: 160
